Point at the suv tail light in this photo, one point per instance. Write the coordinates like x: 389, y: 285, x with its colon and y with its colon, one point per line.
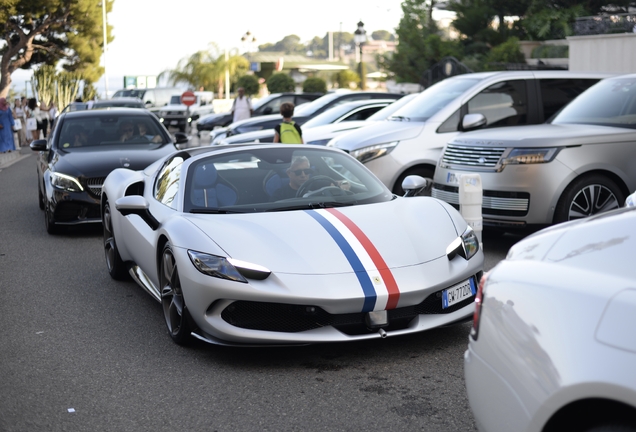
x: 479, y: 302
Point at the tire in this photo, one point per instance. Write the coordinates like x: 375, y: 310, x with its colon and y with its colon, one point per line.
x: 175, y: 312
x: 49, y: 222
x: 587, y: 196
x: 40, y: 197
x: 116, y: 267
x: 613, y: 427
x: 425, y: 172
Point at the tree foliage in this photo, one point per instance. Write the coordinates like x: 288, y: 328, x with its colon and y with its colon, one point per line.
x: 206, y: 70
x: 420, y: 45
x: 382, y: 35
x: 289, y: 45
x: 249, y: 83
x: 38, y: 32
x: 315, y: 85
x: 280, y: 83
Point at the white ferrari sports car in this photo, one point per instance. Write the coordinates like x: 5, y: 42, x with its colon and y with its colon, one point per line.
x: 553, y: 344
x: 275, y: 244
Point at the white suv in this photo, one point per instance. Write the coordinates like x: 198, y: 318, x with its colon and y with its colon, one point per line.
x: 411, y: 141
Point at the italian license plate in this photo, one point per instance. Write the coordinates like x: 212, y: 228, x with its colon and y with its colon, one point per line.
x: 457, y: 293
x: 452, y: 178
x: 174, y: 122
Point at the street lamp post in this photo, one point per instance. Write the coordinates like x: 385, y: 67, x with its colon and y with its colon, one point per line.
x: 248, y: 40
x: 105, y: 44
x: 360, y: 37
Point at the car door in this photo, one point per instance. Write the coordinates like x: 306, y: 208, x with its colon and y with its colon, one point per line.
x: 163, y: 200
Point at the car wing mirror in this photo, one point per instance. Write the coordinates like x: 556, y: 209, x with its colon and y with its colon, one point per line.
x: 413, y: 185
x: 180, y: 138
x: 136, y: 205
x: 473, y: 121
x: 38, y: 145
x: 268, y: 110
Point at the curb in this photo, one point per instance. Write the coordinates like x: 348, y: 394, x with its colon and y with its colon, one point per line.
x: 8, y: 159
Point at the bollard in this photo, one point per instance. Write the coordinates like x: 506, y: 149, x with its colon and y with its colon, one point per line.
x: 470, y: 201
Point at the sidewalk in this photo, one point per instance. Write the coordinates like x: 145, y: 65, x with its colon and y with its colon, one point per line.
x: 7, y: 159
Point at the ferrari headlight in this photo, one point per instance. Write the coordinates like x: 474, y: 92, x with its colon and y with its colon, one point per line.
x: 66, y: 182
x: 466, y: 245
x: 523, y: 156
x: 369, y: 153
x: 215, y: 266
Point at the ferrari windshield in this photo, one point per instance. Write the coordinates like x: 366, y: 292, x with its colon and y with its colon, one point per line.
x: 110, y: 129
x: 610, y: 102
x: 258, y: 179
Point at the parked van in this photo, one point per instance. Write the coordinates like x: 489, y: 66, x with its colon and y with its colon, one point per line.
x: 411, y: 141
x: 153, y: 98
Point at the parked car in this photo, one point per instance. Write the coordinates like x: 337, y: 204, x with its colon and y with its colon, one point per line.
x: 203, y: 232
x: 267, y: 105
x: 153, y: 98
x: 552, y: 346
x: 306, y: 111
x: 83, y: 148
x: 75, y: 106
x: 354, y: 111
x: 579, y: 164
x: 412, y: 142
x: 120, y: 102
x: 178, y: 115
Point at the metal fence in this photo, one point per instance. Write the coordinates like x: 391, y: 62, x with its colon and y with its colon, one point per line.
x: 605, y: 24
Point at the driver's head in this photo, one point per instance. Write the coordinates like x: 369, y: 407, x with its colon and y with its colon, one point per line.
x: 126, y: 130
x: 298, y: 172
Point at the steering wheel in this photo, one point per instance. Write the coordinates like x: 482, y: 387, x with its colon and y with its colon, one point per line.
x: 325, y: 187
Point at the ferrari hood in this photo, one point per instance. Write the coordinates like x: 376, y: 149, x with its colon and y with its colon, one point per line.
x: 403, y: 232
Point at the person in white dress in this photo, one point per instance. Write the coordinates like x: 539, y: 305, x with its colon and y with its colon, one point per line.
x: 242, y: 106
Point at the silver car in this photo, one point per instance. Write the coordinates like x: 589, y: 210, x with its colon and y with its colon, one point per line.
x: 552, y: 346
x: 411, y: 142
x: 580, y: 164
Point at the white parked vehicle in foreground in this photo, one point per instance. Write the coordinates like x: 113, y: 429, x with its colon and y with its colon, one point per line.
x: 553, y: 344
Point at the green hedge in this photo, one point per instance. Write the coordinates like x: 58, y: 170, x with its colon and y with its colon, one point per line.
x: 551, y: 51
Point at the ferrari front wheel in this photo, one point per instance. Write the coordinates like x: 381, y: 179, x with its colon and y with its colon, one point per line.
x: 116, y: 266
x: 175, y: 312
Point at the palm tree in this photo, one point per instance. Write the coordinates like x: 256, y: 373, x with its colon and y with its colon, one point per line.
x: 206, y: 69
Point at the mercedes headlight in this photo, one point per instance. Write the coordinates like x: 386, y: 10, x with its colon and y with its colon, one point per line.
x: 66, y: 182
x: 523, y: 156
x: 466, y: 245
x: 369, y: 153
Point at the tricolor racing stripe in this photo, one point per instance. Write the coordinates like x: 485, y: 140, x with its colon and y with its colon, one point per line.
x: 377, y: 282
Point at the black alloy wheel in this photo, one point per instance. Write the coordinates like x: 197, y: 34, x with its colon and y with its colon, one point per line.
x: 40, y: 197
x: 588, y: 196
x: 175, y: 312
x: 49, y: 222
x: 116, y: 267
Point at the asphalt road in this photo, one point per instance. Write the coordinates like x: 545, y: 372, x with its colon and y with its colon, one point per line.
x: 82, y: 352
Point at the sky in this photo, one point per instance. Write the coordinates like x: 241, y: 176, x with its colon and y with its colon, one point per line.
x: 151, y: 37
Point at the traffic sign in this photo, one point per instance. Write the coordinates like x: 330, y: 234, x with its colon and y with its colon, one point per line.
x: 188, y: 98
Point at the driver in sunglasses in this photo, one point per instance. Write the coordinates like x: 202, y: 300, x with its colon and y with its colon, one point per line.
x: 299, y: 172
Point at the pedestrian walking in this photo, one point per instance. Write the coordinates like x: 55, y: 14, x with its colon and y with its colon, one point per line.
x: 34, y: 113
x: 20, y: 122
x: 52, y: 113
x: 288, y: 132
x: 6, y: 127
x: 44, y: 118
x: 242, y: 106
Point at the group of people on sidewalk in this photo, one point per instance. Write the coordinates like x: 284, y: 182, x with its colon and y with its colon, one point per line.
x: 27, y: 121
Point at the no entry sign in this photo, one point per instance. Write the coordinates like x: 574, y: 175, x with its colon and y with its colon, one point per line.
x: 188, y: 98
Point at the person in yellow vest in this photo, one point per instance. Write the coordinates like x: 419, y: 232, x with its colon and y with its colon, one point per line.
x: 288, y: 132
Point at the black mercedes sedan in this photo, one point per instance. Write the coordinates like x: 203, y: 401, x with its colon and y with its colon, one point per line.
x: 84, y: 147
